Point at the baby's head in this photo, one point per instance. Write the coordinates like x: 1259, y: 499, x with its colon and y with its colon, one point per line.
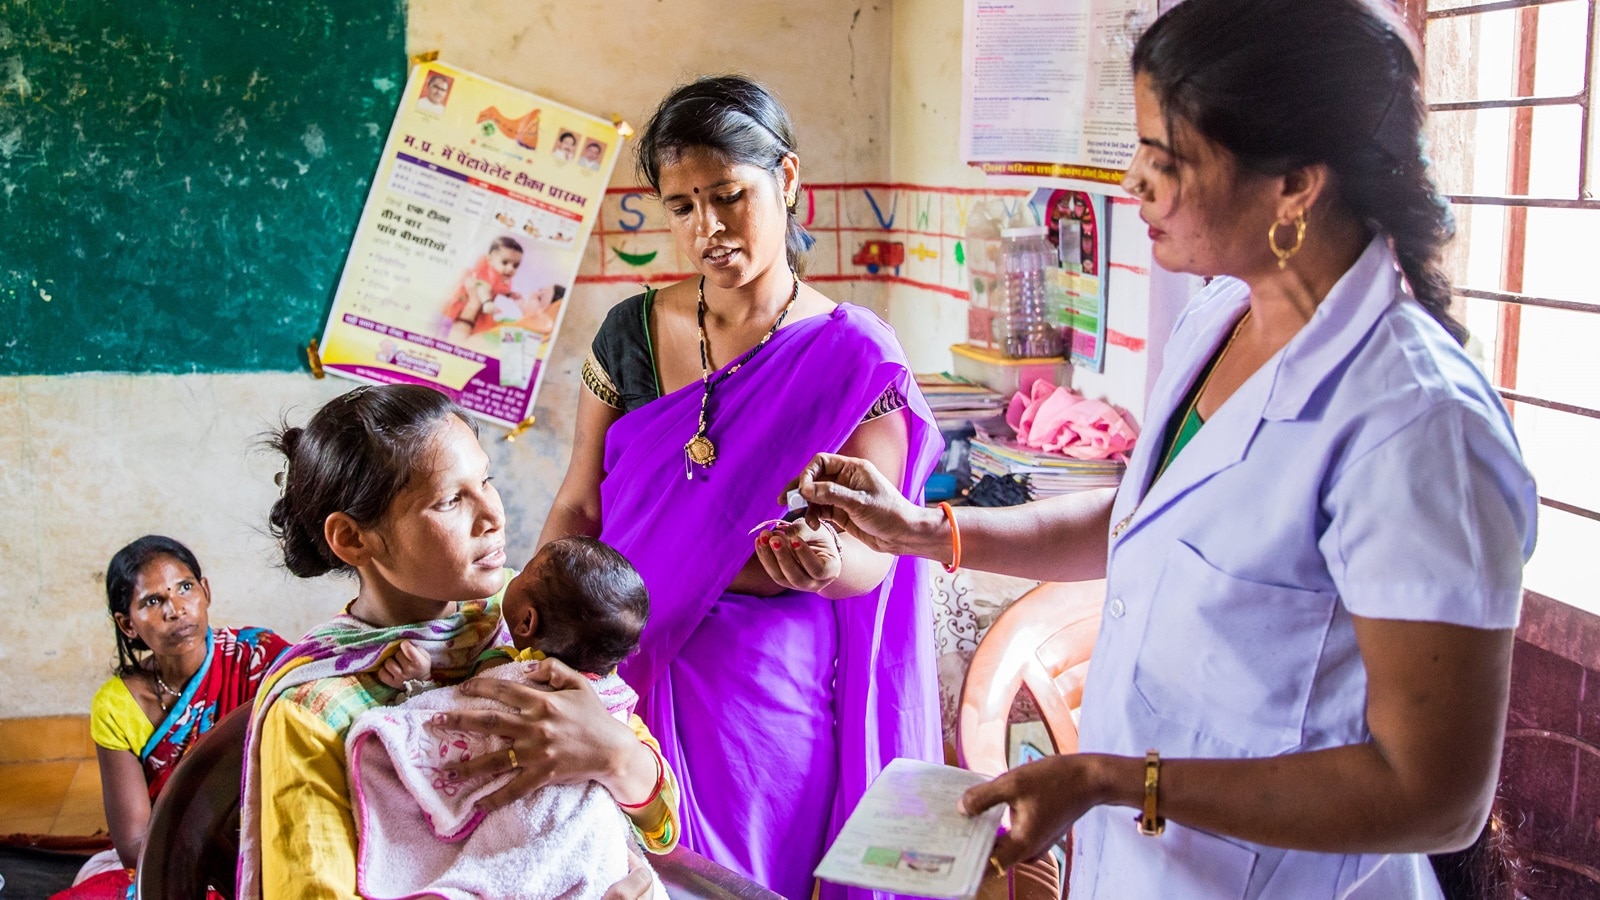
x: 505, y: 254
x: 579, y: 601
x: 389, y: 481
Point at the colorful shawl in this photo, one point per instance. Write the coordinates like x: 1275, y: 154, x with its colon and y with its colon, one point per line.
x: 235, y: 663
x: 343, y: 646
x: 774, y: 727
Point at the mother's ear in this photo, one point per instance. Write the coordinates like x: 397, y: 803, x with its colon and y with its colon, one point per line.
x: 350, y: 542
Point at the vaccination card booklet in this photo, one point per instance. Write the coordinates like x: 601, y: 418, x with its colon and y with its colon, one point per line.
x: 907, y: 836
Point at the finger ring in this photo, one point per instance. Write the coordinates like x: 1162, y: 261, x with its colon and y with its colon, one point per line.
x: 511, y: 754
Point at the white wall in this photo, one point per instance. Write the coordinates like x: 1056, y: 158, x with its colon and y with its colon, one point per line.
x: 89, y: 462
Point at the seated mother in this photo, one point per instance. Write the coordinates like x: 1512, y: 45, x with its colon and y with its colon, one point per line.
x: 176, y: 677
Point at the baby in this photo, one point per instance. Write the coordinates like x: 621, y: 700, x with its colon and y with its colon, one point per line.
x: 473, y: 307
x: 578, y: 601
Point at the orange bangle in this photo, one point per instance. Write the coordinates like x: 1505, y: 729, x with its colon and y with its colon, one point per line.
x: 661, y: 781
x: 955, y: 539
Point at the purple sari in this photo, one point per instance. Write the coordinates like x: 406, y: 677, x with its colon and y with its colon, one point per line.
x: 774, y: 712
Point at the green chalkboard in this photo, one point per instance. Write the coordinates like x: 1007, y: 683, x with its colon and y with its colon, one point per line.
x: 179, y: 180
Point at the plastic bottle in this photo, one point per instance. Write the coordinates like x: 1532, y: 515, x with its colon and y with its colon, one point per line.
x: 1023, y: 323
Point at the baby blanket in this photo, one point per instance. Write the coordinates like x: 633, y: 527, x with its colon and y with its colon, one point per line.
x: 419, y: 835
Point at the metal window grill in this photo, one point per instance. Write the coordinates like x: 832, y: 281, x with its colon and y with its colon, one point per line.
x: 1516, y: 201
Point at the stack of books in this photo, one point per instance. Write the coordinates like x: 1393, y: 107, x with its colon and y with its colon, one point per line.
x: 1049, y: 474
x: 955, y: 400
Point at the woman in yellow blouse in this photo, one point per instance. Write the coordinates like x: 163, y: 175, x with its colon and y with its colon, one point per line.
x: 390, y: 482
x: 176, y: 677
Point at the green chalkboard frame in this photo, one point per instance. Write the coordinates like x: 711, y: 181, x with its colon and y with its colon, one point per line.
x: 179, y: 180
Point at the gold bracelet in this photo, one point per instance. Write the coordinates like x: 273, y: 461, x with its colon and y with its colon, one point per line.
x: 1150, y: 822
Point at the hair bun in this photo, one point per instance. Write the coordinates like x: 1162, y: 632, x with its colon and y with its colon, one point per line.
x: 289, y: 441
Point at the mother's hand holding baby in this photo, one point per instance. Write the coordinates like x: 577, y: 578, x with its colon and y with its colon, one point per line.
x: 563, y: 735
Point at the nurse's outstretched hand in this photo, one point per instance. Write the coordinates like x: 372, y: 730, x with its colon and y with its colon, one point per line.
x: 854, y: 495
x: 1046, y: 797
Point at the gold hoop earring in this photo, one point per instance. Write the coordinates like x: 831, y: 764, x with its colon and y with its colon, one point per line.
x: 791, y: 200
x: 1283, y: 253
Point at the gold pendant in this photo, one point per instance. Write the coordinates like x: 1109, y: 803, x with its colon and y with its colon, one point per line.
x: 701, y: 451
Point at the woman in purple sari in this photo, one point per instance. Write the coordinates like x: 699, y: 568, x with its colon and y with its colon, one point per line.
x: 779, y: 680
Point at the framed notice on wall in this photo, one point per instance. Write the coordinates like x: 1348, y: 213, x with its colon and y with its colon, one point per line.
x: 469, y: 241
x: 1046, y: 89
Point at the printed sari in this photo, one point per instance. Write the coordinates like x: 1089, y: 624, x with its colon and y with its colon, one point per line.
x: 235, y: 663
x: 345, y: 645
x: 775, y: 712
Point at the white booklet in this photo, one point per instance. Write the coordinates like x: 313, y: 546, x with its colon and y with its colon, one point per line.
x: 908, y: 837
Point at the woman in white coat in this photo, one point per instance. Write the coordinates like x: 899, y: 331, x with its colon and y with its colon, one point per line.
x: 1314, y: 561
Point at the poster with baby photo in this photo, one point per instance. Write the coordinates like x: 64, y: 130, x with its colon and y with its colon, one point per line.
x: 470, y: 239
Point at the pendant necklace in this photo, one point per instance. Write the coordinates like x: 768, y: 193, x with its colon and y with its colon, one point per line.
x: 700, y: 451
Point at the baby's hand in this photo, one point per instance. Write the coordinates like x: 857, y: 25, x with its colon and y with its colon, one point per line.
x: 408, y: 663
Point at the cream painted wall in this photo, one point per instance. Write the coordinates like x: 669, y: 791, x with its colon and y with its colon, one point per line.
x: 827, y: 60
x: 89, y: 462
x: 924, y: 141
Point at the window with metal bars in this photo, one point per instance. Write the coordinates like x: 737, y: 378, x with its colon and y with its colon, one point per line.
x: 1511, y: 132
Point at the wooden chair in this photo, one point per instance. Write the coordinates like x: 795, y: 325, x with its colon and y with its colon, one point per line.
x: 1043, y: 640
x: 193, y: 838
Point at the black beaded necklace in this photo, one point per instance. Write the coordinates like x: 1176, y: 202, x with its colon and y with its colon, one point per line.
x: 700, y: 451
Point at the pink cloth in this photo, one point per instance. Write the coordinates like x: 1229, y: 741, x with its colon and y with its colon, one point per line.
x: 421, y: 836
x: 1060, y: 421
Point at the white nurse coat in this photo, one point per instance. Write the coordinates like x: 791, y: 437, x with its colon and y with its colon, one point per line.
x: 1366, y: 469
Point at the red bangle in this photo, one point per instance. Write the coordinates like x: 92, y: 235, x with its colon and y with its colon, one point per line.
x: 955, y: 539
x: 661, y: 781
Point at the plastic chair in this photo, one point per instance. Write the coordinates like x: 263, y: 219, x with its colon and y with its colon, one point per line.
x: 193, y: 838
x: 1043, y: 640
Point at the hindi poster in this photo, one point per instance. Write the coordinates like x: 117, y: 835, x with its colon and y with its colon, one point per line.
x: 1047, y: 92
x: 469, y: 242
